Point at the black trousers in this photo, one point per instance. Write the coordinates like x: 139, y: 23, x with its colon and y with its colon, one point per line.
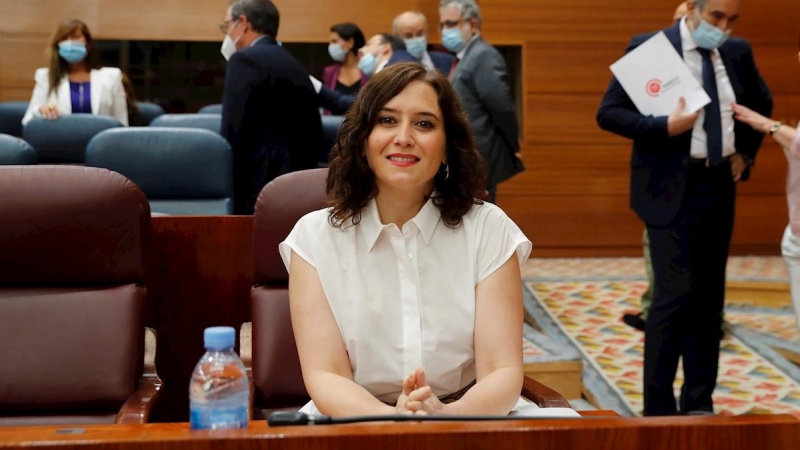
x: 689, y: 256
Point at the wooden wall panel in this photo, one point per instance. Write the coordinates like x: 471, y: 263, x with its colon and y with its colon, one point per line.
x: 606, y: 222
x: 583, y: 67
x: 605, y: 170
x: 572, y: 170
x: 779, y: 66
x: 575, y: 68
x: 301, y: 21
x: 22, y: 54
x: 162, y: 19
x: 584, y: 220
x: 42, y: 16
x: 565, y: 119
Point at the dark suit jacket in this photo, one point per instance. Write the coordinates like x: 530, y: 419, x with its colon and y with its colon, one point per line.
x: 270, y: 118
x: 481, y: 81
x: 442, y: 61
x: 338, y: 103
x: 660, y: 164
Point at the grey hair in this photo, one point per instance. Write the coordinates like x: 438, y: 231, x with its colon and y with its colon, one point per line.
x: 397, y: 17
x: 700, y: 4
x: 468, y: 9
x: 263, y: 15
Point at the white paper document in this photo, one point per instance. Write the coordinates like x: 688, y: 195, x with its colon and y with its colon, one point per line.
x: 655, y: 76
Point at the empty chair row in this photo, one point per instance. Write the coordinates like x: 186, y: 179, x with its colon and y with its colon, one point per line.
x: 182, y: 171
x: 15, y: 151
x: 11, y: 114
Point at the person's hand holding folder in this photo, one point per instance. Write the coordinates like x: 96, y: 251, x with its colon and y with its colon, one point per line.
x: 679, y: 120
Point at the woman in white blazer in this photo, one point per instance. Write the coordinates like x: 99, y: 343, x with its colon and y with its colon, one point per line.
x: 74, y: 83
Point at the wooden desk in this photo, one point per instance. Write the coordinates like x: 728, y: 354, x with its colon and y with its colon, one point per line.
x: 674, y: 433
x: 199, y: 276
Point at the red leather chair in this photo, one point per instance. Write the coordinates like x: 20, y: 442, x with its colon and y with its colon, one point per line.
x: 277, y: 379
x: 276, y: 375
x: 72, y: 263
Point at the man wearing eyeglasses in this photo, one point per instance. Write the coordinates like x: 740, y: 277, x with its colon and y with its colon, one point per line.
x: 269, y: 109
x: 480, y: 78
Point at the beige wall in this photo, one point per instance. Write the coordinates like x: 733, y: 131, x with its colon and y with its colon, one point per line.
x: 573, y: 198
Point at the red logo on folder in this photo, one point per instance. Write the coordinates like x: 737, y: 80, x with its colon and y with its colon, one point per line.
x: 653, y: 87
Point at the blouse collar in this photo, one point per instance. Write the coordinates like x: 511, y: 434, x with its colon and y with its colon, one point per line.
x: 426, y: 220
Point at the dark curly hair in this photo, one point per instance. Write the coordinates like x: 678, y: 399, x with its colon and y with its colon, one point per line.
x: 351, y: 182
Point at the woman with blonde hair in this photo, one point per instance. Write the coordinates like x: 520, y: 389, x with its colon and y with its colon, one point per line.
x: 74, y: 82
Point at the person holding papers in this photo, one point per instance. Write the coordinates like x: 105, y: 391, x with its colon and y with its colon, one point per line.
x: 406, y: 294
x: 684, y: 170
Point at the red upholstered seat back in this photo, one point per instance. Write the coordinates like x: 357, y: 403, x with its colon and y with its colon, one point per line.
x: 276, y: 367
x: 73, y: 246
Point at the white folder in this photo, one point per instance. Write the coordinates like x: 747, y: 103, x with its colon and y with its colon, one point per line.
x: 655, y: 76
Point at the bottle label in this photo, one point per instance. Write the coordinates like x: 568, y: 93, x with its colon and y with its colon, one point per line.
x: 207, y: 417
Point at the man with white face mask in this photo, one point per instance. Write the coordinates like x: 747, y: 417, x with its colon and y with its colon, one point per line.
x: 411, y: 27
x: 480, y: 78
x: 684, y: 170
x: 269, y: 110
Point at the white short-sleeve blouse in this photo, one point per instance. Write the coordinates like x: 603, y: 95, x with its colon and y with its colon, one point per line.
x: 405, y: 299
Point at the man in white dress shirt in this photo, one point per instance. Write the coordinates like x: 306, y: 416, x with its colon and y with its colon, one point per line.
x: 684, y: 170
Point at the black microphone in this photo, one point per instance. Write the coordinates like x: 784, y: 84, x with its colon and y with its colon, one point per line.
x: 289, y: 418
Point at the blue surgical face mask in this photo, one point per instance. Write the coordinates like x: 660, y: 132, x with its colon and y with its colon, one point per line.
x: 337, y: 53
x: 452, y: 39
x: 367, y: 64
x: 416, y: 46
x: 708, y: 36
x: 72, y: 51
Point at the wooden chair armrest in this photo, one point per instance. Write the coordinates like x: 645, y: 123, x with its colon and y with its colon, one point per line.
x: 138, y: 407
x: 542, y: 395
x: 249, y: 372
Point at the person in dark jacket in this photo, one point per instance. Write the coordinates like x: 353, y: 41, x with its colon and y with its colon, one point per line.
x: 269, y: 108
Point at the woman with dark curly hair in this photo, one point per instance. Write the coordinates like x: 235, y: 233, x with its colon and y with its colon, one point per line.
x: 406, y: 293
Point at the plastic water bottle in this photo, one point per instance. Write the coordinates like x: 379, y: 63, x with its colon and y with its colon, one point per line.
x: 219, y: 393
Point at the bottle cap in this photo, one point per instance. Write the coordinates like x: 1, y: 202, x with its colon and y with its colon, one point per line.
x: 219, y: 338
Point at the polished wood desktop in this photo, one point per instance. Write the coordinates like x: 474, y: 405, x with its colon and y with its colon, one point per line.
x: 773, y: 432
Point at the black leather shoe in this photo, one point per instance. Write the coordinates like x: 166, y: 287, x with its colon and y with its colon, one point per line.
x: 634, y: 320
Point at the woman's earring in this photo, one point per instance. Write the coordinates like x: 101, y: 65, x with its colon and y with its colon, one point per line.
x: 446, y: 171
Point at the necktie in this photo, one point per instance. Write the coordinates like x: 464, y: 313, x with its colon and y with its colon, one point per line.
x: 453, y: 68
x: 713, y: 122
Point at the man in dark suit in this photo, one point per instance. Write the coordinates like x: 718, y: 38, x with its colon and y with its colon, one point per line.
x: 380, y: 51
x: 412, y: 27
x: 684, y: 169
x: 269, y: 109
x: 481, y: 80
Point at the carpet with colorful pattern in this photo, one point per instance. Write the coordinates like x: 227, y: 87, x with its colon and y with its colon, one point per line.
x: 577, y: 304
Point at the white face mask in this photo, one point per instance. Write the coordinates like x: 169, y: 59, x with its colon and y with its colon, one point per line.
x: 229, y: 46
